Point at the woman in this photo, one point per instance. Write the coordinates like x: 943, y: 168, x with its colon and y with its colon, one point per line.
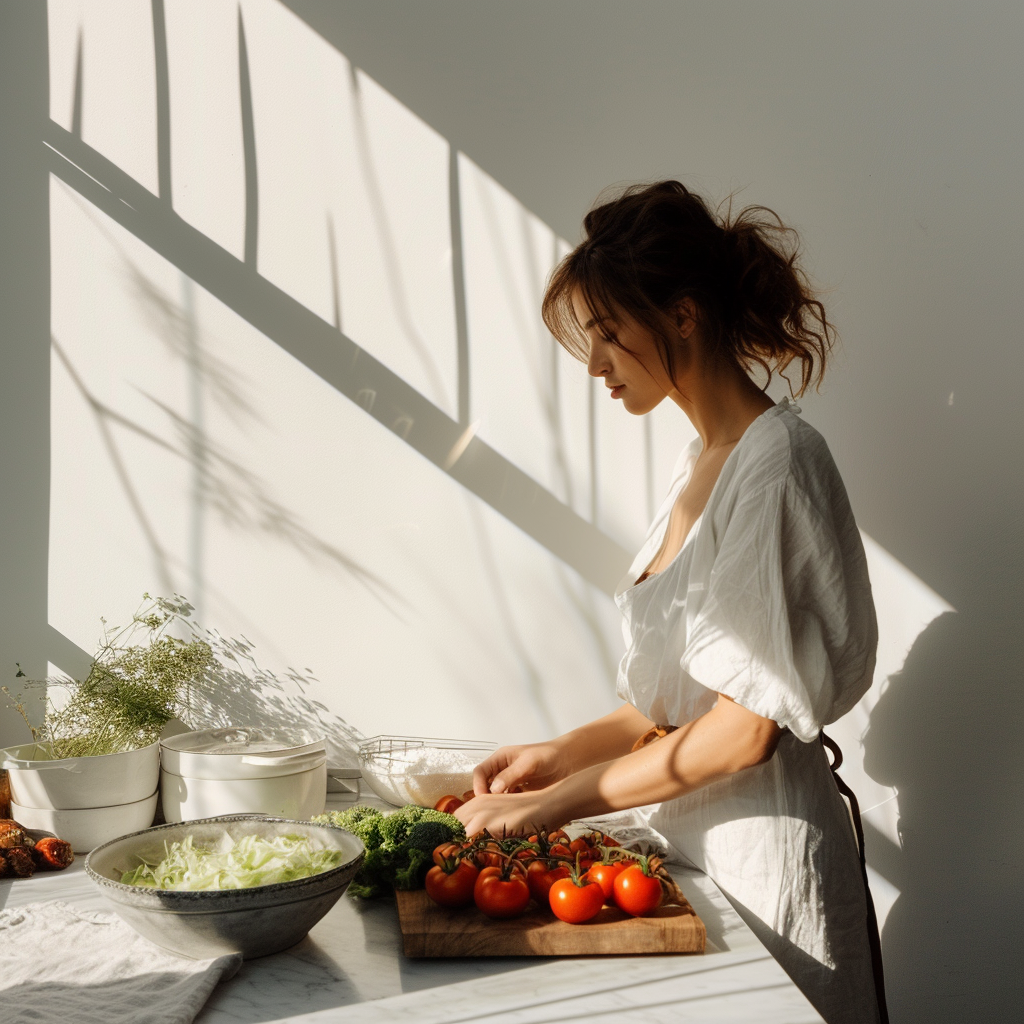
x: 751, y: 624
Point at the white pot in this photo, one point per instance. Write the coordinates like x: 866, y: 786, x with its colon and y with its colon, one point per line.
x: 85, y: 828
x: 104, y: 780
x: 299, y: 795
x: 241, y: 753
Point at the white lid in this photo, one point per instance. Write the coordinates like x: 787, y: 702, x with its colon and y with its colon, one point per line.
x: 243, y: 740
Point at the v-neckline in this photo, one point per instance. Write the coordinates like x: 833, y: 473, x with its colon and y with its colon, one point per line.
x: 644, y: 577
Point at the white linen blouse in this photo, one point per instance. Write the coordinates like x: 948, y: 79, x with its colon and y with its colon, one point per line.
x: 768, y: 602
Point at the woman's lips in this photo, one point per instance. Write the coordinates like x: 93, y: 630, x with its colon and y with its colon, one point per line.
x: 617, y: 390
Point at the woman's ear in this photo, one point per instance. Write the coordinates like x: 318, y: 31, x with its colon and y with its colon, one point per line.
x: 685, y: 313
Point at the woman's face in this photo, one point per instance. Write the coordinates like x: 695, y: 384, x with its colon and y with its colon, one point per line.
x: 626, y: 355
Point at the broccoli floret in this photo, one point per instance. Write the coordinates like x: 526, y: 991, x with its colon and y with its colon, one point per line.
x: 398, y: 845
x: 412, y: 875
x: 361, y: 821
x: 397, y: 826
x: 428, y: 835
x: 374, y: 877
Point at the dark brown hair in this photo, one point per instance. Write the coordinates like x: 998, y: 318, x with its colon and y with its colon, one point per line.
x: 651, y: 246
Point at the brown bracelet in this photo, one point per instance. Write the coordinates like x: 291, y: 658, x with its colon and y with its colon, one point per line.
x: 653, y: 734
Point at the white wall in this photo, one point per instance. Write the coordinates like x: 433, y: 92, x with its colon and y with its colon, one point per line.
x: 195, y: 445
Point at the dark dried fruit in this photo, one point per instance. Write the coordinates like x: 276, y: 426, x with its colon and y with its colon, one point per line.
x: 52, y: 854
x: 19, y: 861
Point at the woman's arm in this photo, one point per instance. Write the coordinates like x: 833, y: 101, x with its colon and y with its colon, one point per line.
x: 540, y: 764
x: 720, y: 743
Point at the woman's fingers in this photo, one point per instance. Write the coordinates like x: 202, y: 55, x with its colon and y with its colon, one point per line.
x: 485, y: 771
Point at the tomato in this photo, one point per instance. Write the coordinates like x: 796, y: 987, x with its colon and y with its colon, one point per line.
x: 452, y: 888
x: 637, y: 893
x: 560, y: 850
x: 575, y: 903
x: 498, y: 897
x: 489, y: 855
x: 448, y: 804
x: 540, y: 877
x: 446, y: 851
x: 580, y: 846
x: 609, y: 841
x: 605, y: 875
x: 467, y: 796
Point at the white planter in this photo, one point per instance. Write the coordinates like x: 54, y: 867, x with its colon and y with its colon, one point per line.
x: 299, y: 795
x: 39, y: 780
x: 85, y: 828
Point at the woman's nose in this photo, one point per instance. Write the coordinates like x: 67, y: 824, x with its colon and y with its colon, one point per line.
x: 598, y: 364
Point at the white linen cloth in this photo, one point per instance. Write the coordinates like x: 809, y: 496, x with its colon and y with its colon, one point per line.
x: 61, y: 965
x: 769, y: 603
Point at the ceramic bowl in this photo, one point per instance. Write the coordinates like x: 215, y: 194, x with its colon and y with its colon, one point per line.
x: 254, y: 922
x: 85, y: 828
x: 38, y: 779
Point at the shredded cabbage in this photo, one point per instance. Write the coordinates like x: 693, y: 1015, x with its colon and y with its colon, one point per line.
x: 250, y: 861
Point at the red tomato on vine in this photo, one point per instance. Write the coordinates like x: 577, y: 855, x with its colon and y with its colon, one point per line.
x: 575, y: 900
x: 452, y: 885
x: 636, y: 891
x: 498, y: 896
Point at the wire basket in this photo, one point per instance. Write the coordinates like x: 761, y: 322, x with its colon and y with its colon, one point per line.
x: 420, y: 769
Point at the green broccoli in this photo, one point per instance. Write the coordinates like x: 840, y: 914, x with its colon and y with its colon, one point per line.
x: 361, y: 821
x: 396, y: 827
x: 375, y: 874
x: 429, y: 835
x: 398, y: 845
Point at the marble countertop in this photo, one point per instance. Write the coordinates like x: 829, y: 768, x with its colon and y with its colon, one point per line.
x: 350, y: 968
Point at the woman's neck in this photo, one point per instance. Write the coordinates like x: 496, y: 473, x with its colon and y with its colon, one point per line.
x: 720, y: 402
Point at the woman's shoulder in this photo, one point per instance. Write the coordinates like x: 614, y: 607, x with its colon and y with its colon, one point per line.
x: 787, y: 454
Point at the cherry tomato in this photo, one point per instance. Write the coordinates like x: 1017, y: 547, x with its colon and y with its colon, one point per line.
x: 498, y: 897
x: 605, y: 875
x: 540, y: 877
x: 452, y: 888
x: 448, y: 804
x: 560, y: 850
x: 635, y: 892
x: 580, y: 846
x: 467, y: 796
x: 446, y: 852
x: 489, y: 856
x: 575, y: 903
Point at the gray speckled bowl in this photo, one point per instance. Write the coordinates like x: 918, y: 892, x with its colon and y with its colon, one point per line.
x: 253, y: 922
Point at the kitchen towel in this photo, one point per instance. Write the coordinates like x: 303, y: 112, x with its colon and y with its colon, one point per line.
x: 61, y: 964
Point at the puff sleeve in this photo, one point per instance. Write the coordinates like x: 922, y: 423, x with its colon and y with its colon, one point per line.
x: 784, y: 624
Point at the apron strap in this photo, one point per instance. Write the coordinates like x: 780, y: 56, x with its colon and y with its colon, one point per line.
x: 874, y: 941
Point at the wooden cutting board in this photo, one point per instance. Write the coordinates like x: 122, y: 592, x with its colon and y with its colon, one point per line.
x: 432, y: 931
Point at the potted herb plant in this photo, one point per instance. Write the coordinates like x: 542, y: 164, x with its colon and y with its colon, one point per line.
x: 99, y: 745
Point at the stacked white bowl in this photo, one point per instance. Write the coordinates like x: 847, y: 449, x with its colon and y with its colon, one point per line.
x: 85, y: 800
x: 278, y: 772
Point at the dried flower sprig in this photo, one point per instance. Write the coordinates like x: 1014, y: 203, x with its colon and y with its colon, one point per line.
x: 144, y: 675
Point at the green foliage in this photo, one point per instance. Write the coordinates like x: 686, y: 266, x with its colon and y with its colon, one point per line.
x: 399, y: 845
x: 159, y: 666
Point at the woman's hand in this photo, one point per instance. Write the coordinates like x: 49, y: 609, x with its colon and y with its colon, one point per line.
x: 530, y: 765
x: 502, y: 813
